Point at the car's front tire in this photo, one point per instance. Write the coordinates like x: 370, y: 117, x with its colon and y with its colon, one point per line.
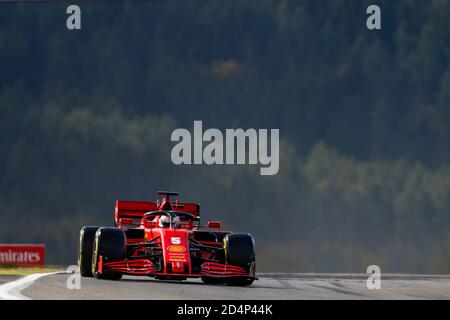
x: 110, y: 244
x: 240, y: 251
x: 87, y: 235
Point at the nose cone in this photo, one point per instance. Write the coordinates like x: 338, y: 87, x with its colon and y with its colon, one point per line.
x: 176, y: 250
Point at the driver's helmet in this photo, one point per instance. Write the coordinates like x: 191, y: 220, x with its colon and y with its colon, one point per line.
x: 164, y: 222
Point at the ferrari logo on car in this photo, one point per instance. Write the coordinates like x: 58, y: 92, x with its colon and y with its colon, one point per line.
x: 176, y: 248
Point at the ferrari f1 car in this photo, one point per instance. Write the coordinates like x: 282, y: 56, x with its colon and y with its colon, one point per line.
x: 165, y: 240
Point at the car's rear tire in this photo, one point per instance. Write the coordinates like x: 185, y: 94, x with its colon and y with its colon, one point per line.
x: 87, y: 235
x: 240, y: 282
x: 213, y: 280
x: 240, y: 251
x: 110, y: 244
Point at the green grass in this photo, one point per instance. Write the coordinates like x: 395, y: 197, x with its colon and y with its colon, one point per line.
x: 22, y: 271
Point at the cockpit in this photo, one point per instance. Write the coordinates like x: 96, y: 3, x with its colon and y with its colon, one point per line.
x: 170, y: 219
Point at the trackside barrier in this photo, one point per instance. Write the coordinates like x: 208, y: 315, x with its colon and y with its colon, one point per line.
x: 22, y: 254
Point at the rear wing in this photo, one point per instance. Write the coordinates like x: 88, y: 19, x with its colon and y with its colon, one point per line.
x: 132, y: 209
x: 137, y: 209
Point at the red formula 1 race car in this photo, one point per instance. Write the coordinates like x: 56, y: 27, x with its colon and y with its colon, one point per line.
x: 165, y: 240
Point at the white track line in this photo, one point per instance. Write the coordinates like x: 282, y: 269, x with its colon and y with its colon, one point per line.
x: 11, y: 290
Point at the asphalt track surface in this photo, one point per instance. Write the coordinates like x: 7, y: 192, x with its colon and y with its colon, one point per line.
x: 269, y: 286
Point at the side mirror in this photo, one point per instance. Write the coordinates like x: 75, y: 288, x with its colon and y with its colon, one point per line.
x: 214, y: 224
x: 127, y: 221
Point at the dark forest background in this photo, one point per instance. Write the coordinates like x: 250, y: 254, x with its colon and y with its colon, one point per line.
x: 364, y: 119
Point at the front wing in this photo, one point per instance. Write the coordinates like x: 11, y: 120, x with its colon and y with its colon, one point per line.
x: 146, y: 267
